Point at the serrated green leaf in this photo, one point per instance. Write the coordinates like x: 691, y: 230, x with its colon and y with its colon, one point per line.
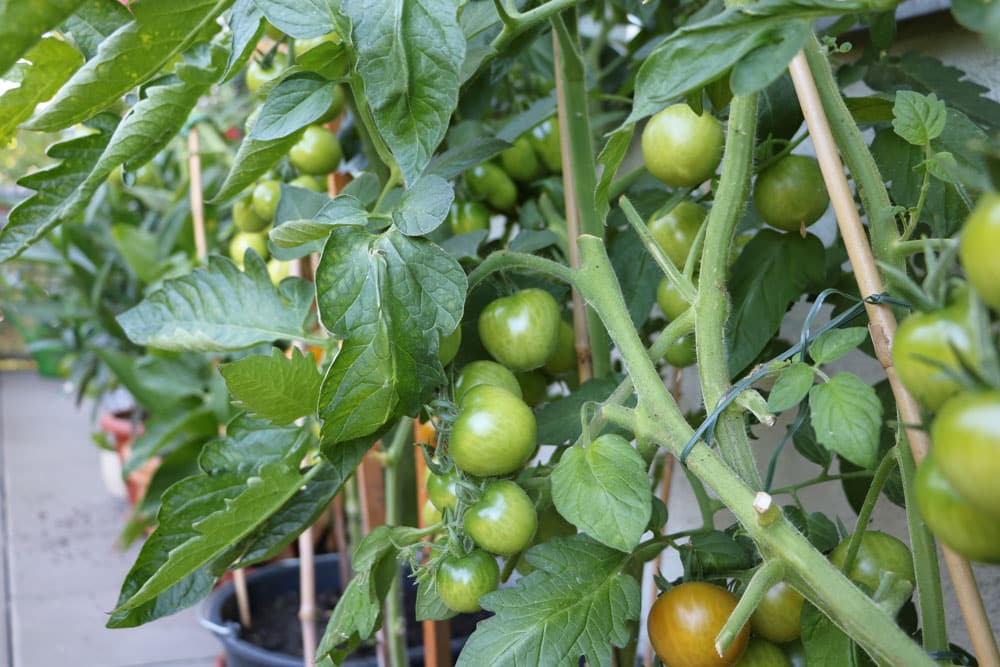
x: 277, y: 388
x: 713, y: 552
x: 832, y: 345
x: 429, y: 605
x: 140, y: 249
x: 49, y: 64
x: 220, y: 308
x: 424, y: 206
x: 847, y: 416
x: 465, y: 246
x: 816, y: 526
x: 22, y: 24
x: 826, y: 645
x: 459, y: 159
x: 245, y: 22
x: 93, y: 22
x: 157, y: 384
x: 790, y: 388
x: 253, y: 158
x: 772, y: 271
x: 300, y: 18
x: 944, y: 167
x: 576, y: 603
x: 408, y: 57
x: 559, y: 420
x: 132, y: 55
x: 603, y: 489
x: 610, y: 159
x: 805, y: 443
x: 297, y: 238
x: 294, y: 103
x: 871, y: 109
x: 388, y: 361
x: 918, y: 118
x: 638, y: 273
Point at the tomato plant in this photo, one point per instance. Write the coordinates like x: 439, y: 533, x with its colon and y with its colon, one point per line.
x: 878, y: 553
x: 521, y: 331
x: 966, y: 437
x: 485, y: 372
x: 468, y: 216
x: 442, y: 490
x: 676, y: 229
x: 980, y: 234
x: 494, y: 433
x: 684, y: 622
x: 681, y: 147
x: 462, y: 580
x: 317, y: 152
x: 761, y: 653
x: 777, y: 617
x: 790, y: 194
x: 503, y: 520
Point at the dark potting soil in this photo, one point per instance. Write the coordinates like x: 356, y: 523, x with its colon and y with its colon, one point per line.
x: 276, y: 625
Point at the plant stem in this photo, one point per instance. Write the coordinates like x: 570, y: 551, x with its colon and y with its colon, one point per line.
x: 711, y: 306
x: 670, y: 270
x: 505, y: 259
x: 864, y: 516
x: 395, y: 619
x: 766, y: 576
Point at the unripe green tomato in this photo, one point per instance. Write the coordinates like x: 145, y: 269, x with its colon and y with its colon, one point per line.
x: 494, y: 434
x: 544, y: 139
x: 468, y: 216
x: 243, y: 241
x: 442, y: 490
x: 461, y: 581
x: 675, y: 230
x: 778, y: 616
x: 308, y: 182
x: 116, y: 179
x: 325, y: 54
x: 336, y: 105
x: 503, y: 520
x: 670, y: 300
x: 265, y: 199
x: 791, y: 194
x: 429, y: 514
x: 245, y: 217
x: 564, y: 358
x: 520, y: 161
x: 147, y: 176
x: 762, y: 653
x: 682, y: 353
x: 493, y: 184
x: 978, y: 249
x: 259, y: 76
x: 521, y: 331
x: 796, y: 653
x: 966, y: 439
x: 968, y: 530
x: 534, y: 387
x: 317, y: 152
x: 681, y: 148
x: 278, y: 271
x: 448, y: 347
x: 878, y: 551
x: 485, y: 372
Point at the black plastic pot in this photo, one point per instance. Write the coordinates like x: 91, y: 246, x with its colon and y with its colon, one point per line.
x: 219, y: 614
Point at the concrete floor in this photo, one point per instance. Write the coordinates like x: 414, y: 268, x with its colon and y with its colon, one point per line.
x: 61, y: 570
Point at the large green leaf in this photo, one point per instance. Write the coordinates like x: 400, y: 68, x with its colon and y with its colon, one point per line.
x: 49, y: 64
x: 22, y: 24
x: 409, y: 54
x: 300, y: 18
x: 772, y: 271
x: 130, y: 56
x: 253, y: 159
x: 93, y: 22
x: 245, y: 22
x: 277, y: 388
x: 576, y: 603
x: 603, y: 489
x: 297, y: 101
x: 847, y: 417
x: 246, y: 477
x: 388, y: 297
x: 220, y: 308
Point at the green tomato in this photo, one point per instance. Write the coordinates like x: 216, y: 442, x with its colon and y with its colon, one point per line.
x: 494, y: 185
x: 777, y: 617
x: 462, y: 580
x: 929, y: 347
x: 442, y: 490
x: 316, y: 152
x: 308, y: 182
x: 521, y: 331
x: 448, y: 347
x: 791, y: 194
x: 278, y: 271
x: 681, y: 148
x: 564, y: 358
x: 878, y: 552
x: 682, y: 353
x: 325, y: 54
x: 429, y: 514
x: 534, y: 387
x: 978, y: 248
x: 966, y: 438
x: 670, y: 300
x: 761, y: 653
x: 520, y: 161
x: 260, y: 75
x: 244, y: 241
x: 968, y: 530
x: 503, y: 520
x: 495, y: 433
x: 485, y: 372
x: 265, y: 199
x: 544, y: 139
x: 336, y: 105
x: 468, y: 216
x: 244, y: 216
x: 796, y: 653
x: 675, y: 230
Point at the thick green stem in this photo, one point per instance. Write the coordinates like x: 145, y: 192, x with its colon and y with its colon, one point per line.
x: 504, y: 259
x: 864, y: 516
x: 395, y: 619
x: 659, y: 418
x: 712, y: 305
x: 766, y: 576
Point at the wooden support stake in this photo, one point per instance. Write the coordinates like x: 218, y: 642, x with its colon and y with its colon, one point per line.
x: 242, y: 597
x: 437, y: 634
x: 307, y: 588
x: 371, y: 488
x: 197, y: 198
x: 882, y: 327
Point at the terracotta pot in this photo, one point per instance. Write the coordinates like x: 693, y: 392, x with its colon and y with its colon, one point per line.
x: 124, y: 431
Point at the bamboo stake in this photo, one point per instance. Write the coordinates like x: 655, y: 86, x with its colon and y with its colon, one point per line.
x: 242, y: 597
x: 882, y: 327
x: 197, y: 198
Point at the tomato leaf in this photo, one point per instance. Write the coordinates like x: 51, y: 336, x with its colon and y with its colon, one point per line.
x: 23, y: 24
x: 981, y: 16
x: 297, y: 101
x: 247, y: 27
x: 559, y: 420
x: 610, y: 159
x: 49, y: 64
x: 713, y: 552
x: 388, y: 360
x: 638, y: 273
x: 408, y: 57
x: 429, y: 605
x: 424, y: 206
x: 918, y: 118
x: 277, y: 388
x: 816, y: 526
x: 162, y: 430
x: 826, y: 645
x: 93, y: 22
x: 806, y: 444
x: 300, y: 18
x: 253, y: 159
x: 832, y: 345
x: 130, y: 56
x: 790, y: 388
x: 220, y: 308
x: 602, y: 488
x: 772, y: 271
x: 847, y: 416
x: 458, y: 159
x: 576, y: 603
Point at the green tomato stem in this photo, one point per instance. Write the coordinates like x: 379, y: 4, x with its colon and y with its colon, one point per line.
x: 670, y: 270
x: 504, y: 260
x: 712, y: 306
x: 395, y: 621
x: 864, y: 516
x: 766, y: 576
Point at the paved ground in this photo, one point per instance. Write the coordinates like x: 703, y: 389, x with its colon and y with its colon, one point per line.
x: 60, y: 568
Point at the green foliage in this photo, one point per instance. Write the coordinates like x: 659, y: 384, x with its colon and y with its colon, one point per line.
x: 21, y: 26
x: 846, y: 416
x: 49, y: 64
x: 277, y: 388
